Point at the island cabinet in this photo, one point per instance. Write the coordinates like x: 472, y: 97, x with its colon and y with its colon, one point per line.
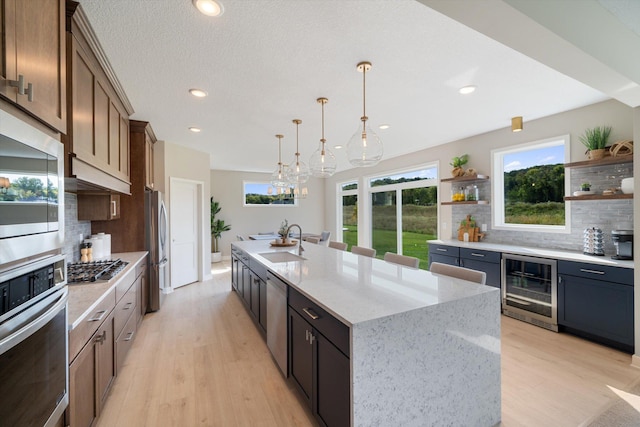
x: 596, y: 302
x: 249, y: 280
x: 97, y: 138
x: 33, y: 58
x: 475, y: 259
x: 318, y: 360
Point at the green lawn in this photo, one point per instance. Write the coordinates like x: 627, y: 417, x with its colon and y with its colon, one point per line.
x: 413, y: 244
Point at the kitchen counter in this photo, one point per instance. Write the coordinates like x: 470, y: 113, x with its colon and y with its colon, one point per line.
x: 538, y: 252
x: 84, y: 297
x: 424, y: 349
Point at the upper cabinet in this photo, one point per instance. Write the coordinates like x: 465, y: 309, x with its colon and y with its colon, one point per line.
x: 97, y: 138
x: 32, y: 58
x: 142, y: 142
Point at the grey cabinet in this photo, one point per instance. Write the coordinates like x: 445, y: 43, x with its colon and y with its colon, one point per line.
x: 475, y: 259
x: 318, y: 360
x: 249, y: 280
x: 596, y: 302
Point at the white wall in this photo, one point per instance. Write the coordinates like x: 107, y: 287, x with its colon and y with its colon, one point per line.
x: 227, y: 189
x: 175, y: 161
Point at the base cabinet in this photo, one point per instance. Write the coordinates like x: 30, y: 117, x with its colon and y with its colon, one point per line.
x: 318, y: 365
x: 91, y: 375
x: 481, y: 260
x: 596, y: 302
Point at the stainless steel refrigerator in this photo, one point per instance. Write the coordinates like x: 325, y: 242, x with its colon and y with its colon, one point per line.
x: 156, y: 244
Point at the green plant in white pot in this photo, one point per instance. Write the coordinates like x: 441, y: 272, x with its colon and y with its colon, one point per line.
x: 595, y: 139
x: 217, y: 228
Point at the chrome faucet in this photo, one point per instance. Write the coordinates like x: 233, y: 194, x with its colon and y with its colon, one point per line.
x: 300, y: 248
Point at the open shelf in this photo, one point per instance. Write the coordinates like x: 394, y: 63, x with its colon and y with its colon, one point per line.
x: 471, y: 202
x: 599, y: 197
x: 466, y: 178
x: 602, y: 162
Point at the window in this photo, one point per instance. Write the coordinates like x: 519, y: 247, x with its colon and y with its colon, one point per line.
x: 348, y: 216
x: 404, y: 212
x: 263, y: 194
x: 529, y: 186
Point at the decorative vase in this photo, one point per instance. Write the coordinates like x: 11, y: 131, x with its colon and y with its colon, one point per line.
x: 596, y: 154
x: 216, y: 256
x: 457, y: 171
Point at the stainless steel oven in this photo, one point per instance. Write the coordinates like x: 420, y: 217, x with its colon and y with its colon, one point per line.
x: 34, y: 366
x: 31, y: 191
x: 530, y: 290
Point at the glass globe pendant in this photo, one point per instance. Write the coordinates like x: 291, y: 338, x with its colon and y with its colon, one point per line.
x: 297, y: 173
x: 322, y: 163
x: 278, y: 177
x: 365, y: 147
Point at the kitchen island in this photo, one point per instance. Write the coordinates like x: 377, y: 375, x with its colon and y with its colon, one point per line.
x: 423, y: 349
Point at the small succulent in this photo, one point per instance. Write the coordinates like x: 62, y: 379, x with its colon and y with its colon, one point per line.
x: 458, y: 162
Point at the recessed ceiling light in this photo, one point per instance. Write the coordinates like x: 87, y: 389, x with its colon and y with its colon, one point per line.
x: 209, y: 7
x: 467, y: 89
x: 383, y: 127
x: 337, y: 147
x: 195, y: 130
x: 198, y: 93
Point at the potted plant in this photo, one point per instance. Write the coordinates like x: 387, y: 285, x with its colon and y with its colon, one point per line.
x: 217, y: 228
x: 283, y: 231
x: 458, y: 163
x: 585, y: 186
x: 595, y: 140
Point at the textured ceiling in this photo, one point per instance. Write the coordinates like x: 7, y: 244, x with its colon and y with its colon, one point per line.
x: 264, y: 63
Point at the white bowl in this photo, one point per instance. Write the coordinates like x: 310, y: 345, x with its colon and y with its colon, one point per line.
x: 627, y: 185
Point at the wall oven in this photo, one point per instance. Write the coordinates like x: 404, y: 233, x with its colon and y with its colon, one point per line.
x: 530, y: 290
x: 31, y: 191
x: 34, y: 362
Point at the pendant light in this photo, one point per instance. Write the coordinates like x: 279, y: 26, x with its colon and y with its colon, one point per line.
x: 298, y: 173
x: 322, y: 163
x: 278, y: 177
x: 364, y: 147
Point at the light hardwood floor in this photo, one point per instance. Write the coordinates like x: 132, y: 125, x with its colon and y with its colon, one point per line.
x: 200, y: 361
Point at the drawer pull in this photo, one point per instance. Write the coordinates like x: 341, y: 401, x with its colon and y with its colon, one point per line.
x: 114, y: 210
x: 310, y: 313
x: 479, y: 255
x: 129, y: 336
x: 442, y: 250
x: 586, y: 270
x: 98, y: 316
x: 101, y: 338
x: 127, y: 306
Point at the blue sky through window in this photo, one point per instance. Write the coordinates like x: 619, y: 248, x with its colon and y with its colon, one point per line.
x: 536, y: 157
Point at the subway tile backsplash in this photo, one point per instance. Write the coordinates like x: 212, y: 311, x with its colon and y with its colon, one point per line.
x: 73, y: 228
x: 604, y: 214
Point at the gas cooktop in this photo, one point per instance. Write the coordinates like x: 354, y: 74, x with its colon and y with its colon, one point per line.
x: 83, y: 272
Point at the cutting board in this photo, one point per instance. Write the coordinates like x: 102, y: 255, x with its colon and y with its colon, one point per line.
x: 473, y: 233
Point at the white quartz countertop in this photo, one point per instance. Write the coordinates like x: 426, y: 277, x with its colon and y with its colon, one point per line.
x: 84, y: 297
x: 538, y: 252
x: 357, y: 289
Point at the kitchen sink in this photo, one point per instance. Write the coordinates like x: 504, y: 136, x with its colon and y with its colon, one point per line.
x: 281, y: 256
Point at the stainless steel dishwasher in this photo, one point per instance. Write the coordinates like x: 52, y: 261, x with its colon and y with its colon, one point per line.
x: 277, y: 321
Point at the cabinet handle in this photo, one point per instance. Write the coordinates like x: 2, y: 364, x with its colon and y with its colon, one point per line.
x: 311, y: 338
x: 479, y: 255
x: 127, y: 306
x: 586, y: 270
x: 310, y: 313
x: 306, y: 335
x: 29, y: 92
x: 517, y: 300
x: 129, y: 336
x: 442, y: 250
x: 19, y: 84
x: 101, y: 338
x: 98, y: 316
x: 114, y: 210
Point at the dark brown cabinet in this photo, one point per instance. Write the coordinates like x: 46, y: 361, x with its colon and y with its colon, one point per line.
x: 98, y: 207
x: 318, y: 360
x: 91, y: 375
x: 33, y: 62
x: 97, y: 137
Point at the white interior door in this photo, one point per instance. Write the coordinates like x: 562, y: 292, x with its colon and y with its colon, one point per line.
x: 184, y: 233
